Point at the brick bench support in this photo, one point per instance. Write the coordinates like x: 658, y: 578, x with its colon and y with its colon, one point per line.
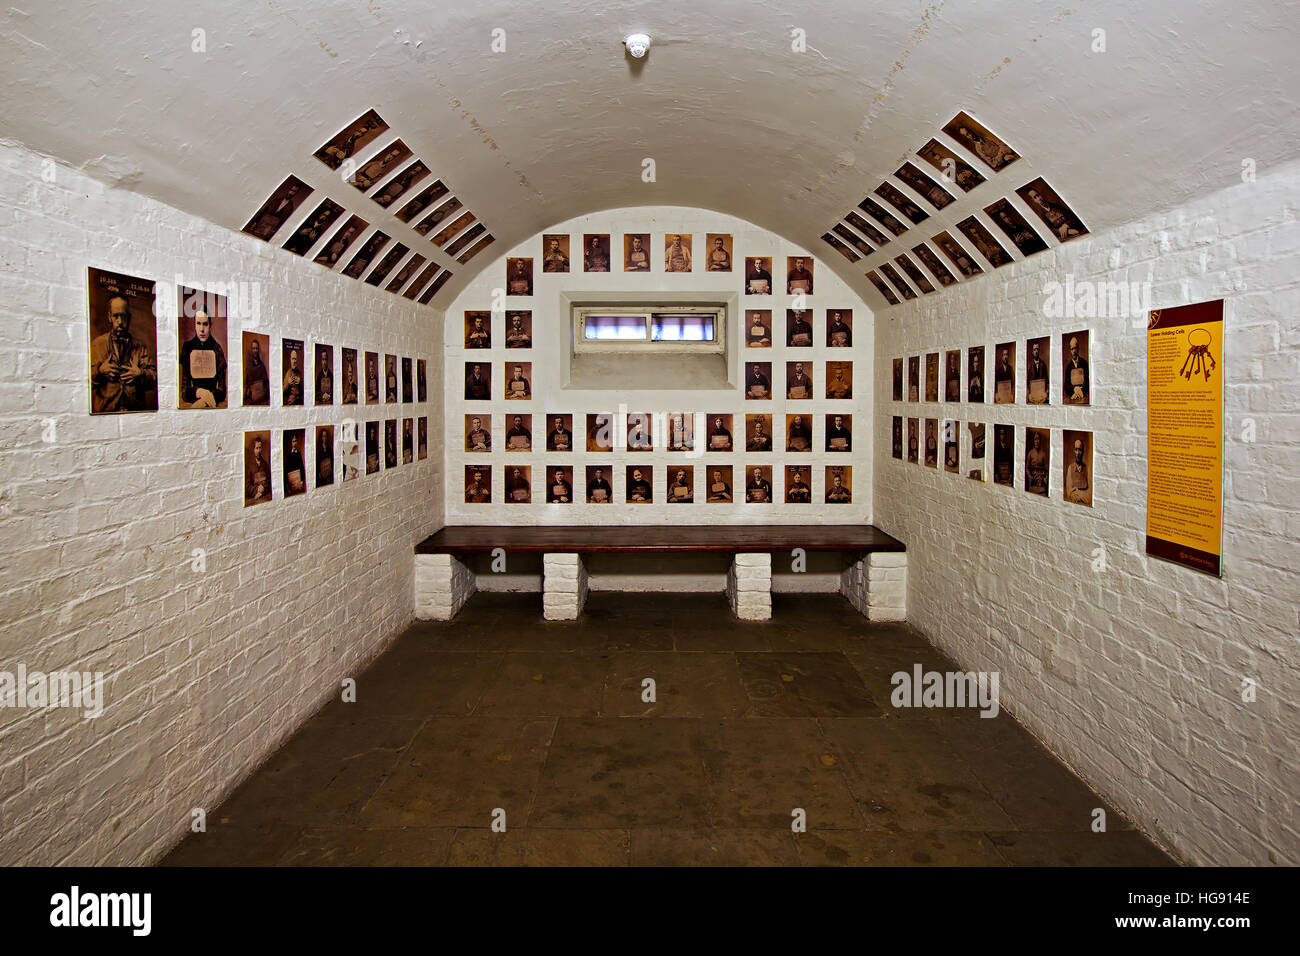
x: 442, y: 586
x: 749, y: 586
x: 877, y: 585
x: 564, y: 586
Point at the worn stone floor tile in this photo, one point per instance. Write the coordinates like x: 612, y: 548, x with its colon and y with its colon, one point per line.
x: 427, y: 683
x: 883, y: 848
x: 546, y: 684
x: 808, y: 684
x: 228, y: 845
x: 663, y: 846
x: 538, y: 847
x: 694, y: 685
x: 1079, y: 848
x: 357, y: 846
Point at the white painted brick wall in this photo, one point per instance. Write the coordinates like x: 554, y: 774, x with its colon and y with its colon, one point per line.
x: 877, y: 586
x: 442, y: 586
x: 1132, y: 674
x: 205, y: 674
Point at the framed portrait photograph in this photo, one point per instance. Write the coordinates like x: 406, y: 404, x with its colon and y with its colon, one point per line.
x: 404, y: 274
x: 519, y: 276
x: 798, y: 484
x: 313, y: 227
x: 640, y: 431
x: 839, y: 485
x: 478, y: 484
x: 1004, y: 374
x: 278, y: 209
x: 932, y: 376
x: 408, y: 391
x: 932, y: 443
x: 390, y: 379
x: 758, y: 275
x: 202, y: 342
x: 719, y: 433
x: 519, y: 432
x: 758, y: 484
x: 390, y: 443
x: 459, y: 223
x: 478, y: 330
x: 890, y: 296
x: 1058, y: 217
x: 1076, y: 383
x: 372, y: 378
x: 839, y: 328
x: 957, y: 255
x: 595, y: 252
x: 1038, y: 453
x: 421, y: 381
x: 257, y: 468
x: 798, y: 433
x: 478, y: 381
x: 758, y: 432
x: 323, y: 376
x: 984, y: 242
x: 677, y: 252
x: 123, y: 332
x: 295, y: 467
x: 408, y: 440
x: 519, y: 381
x: 1037, y: 371
x: 976, y: 430
x: 896, y: 443
x: 351, y: 383
x: 977, y: 139
x: 952, y: 375
x: 952, y: 168
x: 799, y: 328
x: 559, y: 433
x: 798, y: 275
x: 898, y: 380
x: 718, y: 252
x: 1017, y: 228
x: 599, y: 489
x: 718, y: 484
x: 1077, y: 482
x: 798, y: 380
x: 681, y: 431
x: 256, y: 353
x: 372, y: 447
x: 294, y: 385
x: 913, y: 440
x: 839, y: 436
x: 559, y: 484
x: 478, y: 433
x: 914, y: 378
x: 975, y: 374
x: 636, y: 252
x: 398, y: 186
x: 681, y: 485
x: 519, y: 329
x: 350, y: 140
x: 600, y: 432
x: 366, y: 254
x: 839, y: 380
x: 324, y: 455
x: 1004, y: 454
x: 951, y: 447
x: 758, y: 381
x: 422, y: 437
x: 555, y: 252
x: 639, y: 489
x: 758, y: 328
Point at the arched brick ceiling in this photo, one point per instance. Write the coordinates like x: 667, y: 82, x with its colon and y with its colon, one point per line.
x: 558, y: 124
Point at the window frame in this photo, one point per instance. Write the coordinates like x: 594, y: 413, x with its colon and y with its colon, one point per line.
x: 648, y: 308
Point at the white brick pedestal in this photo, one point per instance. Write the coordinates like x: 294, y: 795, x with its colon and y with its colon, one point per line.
x: 877, y: 586
x: 564, y: 586
x: 749, y: 587
x: 442, y: 586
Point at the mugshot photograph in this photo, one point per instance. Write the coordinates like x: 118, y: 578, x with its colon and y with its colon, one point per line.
x: 372, y: 447
x: 372, y: 378
x: 898, y: 379
x: 640, y: 485
x: 718, y: 258
x: 595, y: 253
x: 1037, y: 460
x: 1004, y: 454
x: 897, y: 446
x: 333, y: 251
x: 599, y: 491
x: 519, y: 276
x: 975, y: 374
x: 421, y: 381
x: 1077, y: 486
x: 758, y: 328
x: 559, y: 433
x: 636, y: 252
x: 478, y: 484
x: 294, y: 386
x: 798, y: 328
x: 519, y: 330
x: 1074, y: 378
x: 600, y: 432
x: 1052, y: 210
x: 932, y: 377
x: 758, y: 277
x: 932, y: 443
x: 555, y: 253
x: 681, y: 431
x: 838, y: 434
x: 798, y: 380
x: 519, y: 384
x: 408, y: 440
x: 519, y: 433
x: 202, y: 339
x: 983, y: 240
x: 719, y: 434
x: 758, y: 380
x: 839, y: 380
x: 677, y: 253
x: 478, y: 433
x: 478, y: 381
x: 257, y: 467
x: 390, y: 443
x: 478, y: 330
x: 277, y: 209
x: 798, y: 433
x: 390, y: 378
x: 798, y: 277
x: 681, y: 485
x: 976, y: 138
x: 295, y: 468
x: 1004, y: 374
x: 914, y: 378
x: 559, y: 485
x: 1018, y: 230
x: 913, y: 440
x: 758, y: 432
x: 951, y: 453
x: 324, y: 377
x: 350, y: 389
x: 719, y: 484
x: 1037, y: 375
x: 952, y: 376
x: 324, y: 455
x: 351, y: 139
x: 639, y: 432
x: 758, y: 484
x: 839, y: 485
x: 257, y: 377
x: 422, y: 438
x: 798, y: 484
x: 839, y: 331
x: 408, y: 390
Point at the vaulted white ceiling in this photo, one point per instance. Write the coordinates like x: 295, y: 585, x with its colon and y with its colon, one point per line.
x: 559, y: 123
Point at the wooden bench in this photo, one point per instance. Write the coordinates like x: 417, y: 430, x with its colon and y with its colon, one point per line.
x: 875, y: 580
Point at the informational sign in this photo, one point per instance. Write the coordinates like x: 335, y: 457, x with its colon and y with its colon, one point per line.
x: 1185, y: 435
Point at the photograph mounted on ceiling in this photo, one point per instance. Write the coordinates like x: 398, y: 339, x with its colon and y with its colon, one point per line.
x: 386, y: 264
x: 995, y: 154
x: 448, y: 231
x: 840, y: 247
x: 974, y: 230
x: 866, y: 228
x: 957, y: 255
x: 470, y: 235
x: 397, y: 187
x: 351, y: 139
x: 475, y: 249
x: 438, y: 216
x: 307, y: 235
x: 284, y: 202
x: 894, y: 196
x: 892, y: 275
x: 931, y: 262
x: 952, y: 168
x: 915, y: 274
x: 332, y: 252
x: 384, y: 163
x: 853, y: 239
x: 883, y: 289
x: 404, y: 274
x: 877, y: 212
x: 421, y: 281
x: 437, y: 284
x: 427, y: 197
x: 1049, y: 207
x: 362, y: 259
x: 1016, y: 227
x: 934, y: 194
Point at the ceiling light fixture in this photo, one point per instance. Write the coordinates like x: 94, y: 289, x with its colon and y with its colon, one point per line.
x: 637, y: 44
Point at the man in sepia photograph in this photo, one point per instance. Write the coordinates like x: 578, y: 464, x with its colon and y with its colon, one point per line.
x: 838, y: 493
x: 257, y: 470
x: 799, y: 278
x: 477, y: 438
x: 758, y: 330
x: 479, y: 333
x: 559, y: 438
x: 478, y: 487
x: 324, y: 376
x: 1004, y: 377
x: 952, y: 380
x: 293, y: 379
x: 932, y: 377
x: 638, y: 432
x: 478, y: 386
x: 757, y: 383
x: 639, y: 490
x: 390, y: 443
x: 518, y: 388
x: 596, y: 256
x: 798, y: 434
x: 556, y: 258
x: 1076, y: 373
x: 408, y: 440
x: 839, y: 386
x: 719, y: 259
x: 203, y: 367
x: 719, y: 435
x: 898, y: 437
x: 798, y: 328
x: 559, y: 490
x: 975, y: 376
x: 761, y: 439
x: 758, y: 489
x: 257, y: 380
x: 797, y: 490
x: 637, y: 258
x: 598, y: 489
x: 1036, y: 461
x: 931, y: 443
x: 295, y: 471
x: 349, y: 377
x: 677, y: 255
x: 913, y: 441
x: 518, y: 437
x: 1036, y: 383
x: 798, y: 383
x: 679, y: 487
x: 390, y: 378
x: 681, y: 432
x: 123, y: 373
x: 422, y: 438
x: 1003, y: 454
x: 839, y: 334
x: 838, y: 436
x: 324, y: 455
x: 1078, y: 483
x: 519, y: 277
x: 518, y: 335
x: 372, y: 378
x: 600, y: 432
x: 758, y: 280
x: 372, y: 447
x: 914, y: 378
x: 720, y: 486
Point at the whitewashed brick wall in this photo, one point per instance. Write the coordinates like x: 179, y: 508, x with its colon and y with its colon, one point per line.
x: 206, y: 674
x: 1133, y: 673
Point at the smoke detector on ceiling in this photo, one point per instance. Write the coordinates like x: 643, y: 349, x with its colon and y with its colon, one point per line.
x: 637, y: 44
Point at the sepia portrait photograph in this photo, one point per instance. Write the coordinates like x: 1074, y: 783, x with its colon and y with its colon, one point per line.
x: 677, y: 252
x: 898, y: 379
x: 951, y: 167
x: 758, y: 275
x: 758, y: 432
x: 932, y: 443
x: 1049, y: 207
x: 257, y: 467
x: 323, y: 375
x: 957, y: 255
x: 681, y: 431
x: 798, y: 484
x: 758, y: 484
x: 718, y: 480
x: 123, y: 331
x: 383, y: 163
x: 1004, y: 374
x: 386, y: 265
x: 324, y: 455
x: 478, y: 484
x: 916, y: 275
x: 408, y: 390
x: 454, y: 227
x: 883, y: 289
x: 292, y: 361
x: 866, y: 228
x: 798, y: 433
x: 438, y: 216
x: 257, y: 376
x: 390, y: 378
x: 408, y: 440
x: 201, y: 337
x: 277, y: 209
x: 1038, y: 450
x: 351, y: 386
x: 599, y: 490
x: 977, y: 139
x: 839, y: 380
x: 519, y: 329
x: 600, y: 432
x: 559, y: 484
x: 975, y: 374
x: 798, y: 380
x: 932, y: 376
x: 372, y: 378
x: 396, y: 187
x: 897, y: 443
x: 421, y: 381
x: 984, y: 242
x: 913, y: 440
x: 841, y: 238
x: 798, y: 275
x: 640, y: 431
x: 426, y: 198
x: 798, y: 328
x: 951, y: 447
x: 313, y: 227
x: 478, y: 432
x: 519, y: 381
x: 1075, y: 381
x: 351, y: 139
x: 934, y: 194
x: 839, y: 485
x: 422, y: 438
x: 1077, y: 484
x: 639, y: 489
x: 519, y: 432
x: 595, y: 252
x: 976, y: 430
x: 636, y: 252
x: 914, y: 378
x: 365, y: 255
x: 1017, y: 228
x: 390, y: 443
x: 478, y: 330
x: 719, y: 433
x: 934, y: 264
x: 478, y: 381
x: 681, y: 485
x: 1004, y: 454
x: 839, y: 328
x: 559, y: 433
x: 519, y: 276
x: 758, y: 381
x: 896, y: 198
x: 952, y: 376
x: 758, y: 328
x: 555, y: 252
x: 839, y: 436
x: 718, y: 257
x: 295, y: 467
x: 1037, y: 373
x: 372, y: 447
